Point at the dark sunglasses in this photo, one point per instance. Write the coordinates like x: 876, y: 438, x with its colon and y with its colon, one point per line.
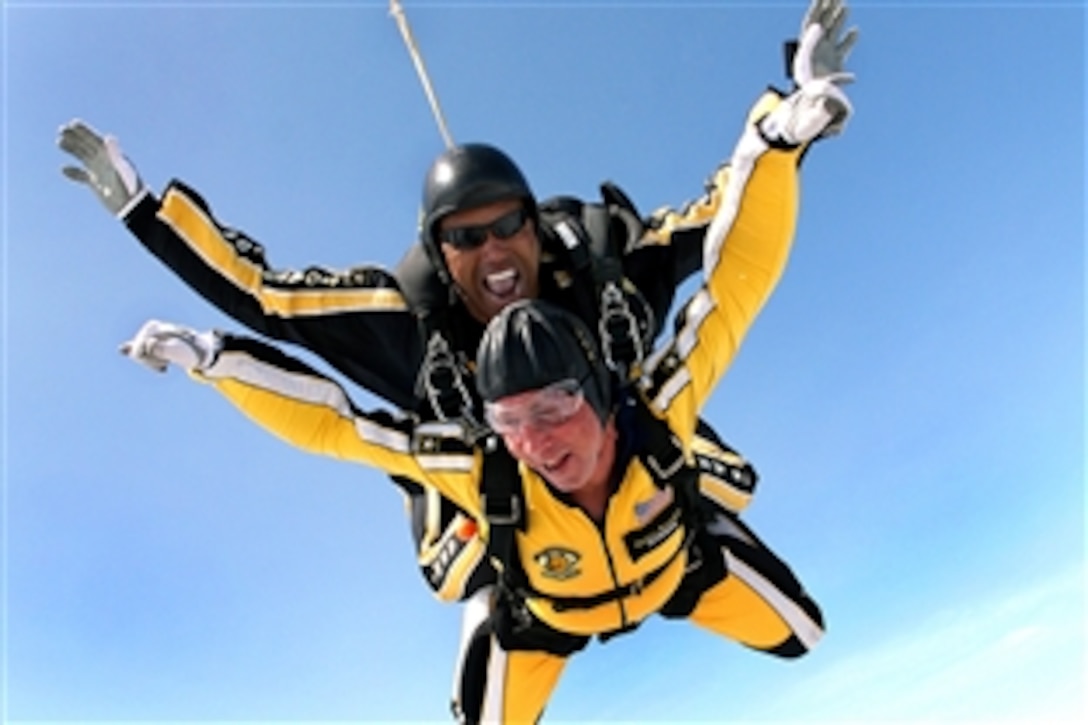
x: 471, y: 237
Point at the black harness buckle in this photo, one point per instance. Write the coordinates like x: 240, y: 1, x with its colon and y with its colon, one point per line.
x: 621, y: 341
x: 501, y: 510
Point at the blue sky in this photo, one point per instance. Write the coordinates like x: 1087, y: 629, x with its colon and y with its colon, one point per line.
x: 912, y: 395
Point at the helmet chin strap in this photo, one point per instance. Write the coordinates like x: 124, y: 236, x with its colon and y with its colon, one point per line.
x: 421, y: 70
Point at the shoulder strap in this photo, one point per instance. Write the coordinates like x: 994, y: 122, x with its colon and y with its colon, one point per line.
x: 441, y: 381
x: 503, y: 502
x: 594, y: 237
x: 663, y: 455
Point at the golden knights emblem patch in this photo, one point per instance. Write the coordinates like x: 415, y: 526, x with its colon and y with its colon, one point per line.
x: 558, y: 563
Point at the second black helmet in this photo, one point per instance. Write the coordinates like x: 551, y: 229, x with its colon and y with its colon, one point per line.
x: 468, y: 176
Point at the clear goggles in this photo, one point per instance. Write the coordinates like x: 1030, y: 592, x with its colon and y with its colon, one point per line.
x: 547, y: 407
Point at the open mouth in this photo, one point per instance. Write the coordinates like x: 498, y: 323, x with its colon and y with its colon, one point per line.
x: 557, y: 464
x: 502, y: 284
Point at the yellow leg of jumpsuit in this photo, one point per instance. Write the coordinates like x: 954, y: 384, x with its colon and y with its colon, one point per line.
x: 745, y: 606
x: 519, y: 684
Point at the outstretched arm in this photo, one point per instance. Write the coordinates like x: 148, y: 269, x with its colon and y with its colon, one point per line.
x: 752, y: 216
x: 311, y: 411
x: 355, y: 319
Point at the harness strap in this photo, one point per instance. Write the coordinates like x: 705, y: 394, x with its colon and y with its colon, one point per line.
x: 578, y: 246
x: 663, y: 455
x: 503, y: 503
x: 442, y: 381
x: 599, y: 285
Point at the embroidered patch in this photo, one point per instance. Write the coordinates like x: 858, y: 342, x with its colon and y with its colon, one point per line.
x: 558, y: 563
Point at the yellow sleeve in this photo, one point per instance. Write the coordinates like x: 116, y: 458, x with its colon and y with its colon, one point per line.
x: 752, y: 211
x: 310, y: 411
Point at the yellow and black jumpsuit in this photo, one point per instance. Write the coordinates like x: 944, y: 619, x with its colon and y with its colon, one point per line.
x: 358, y: 321
x: 639, y: 546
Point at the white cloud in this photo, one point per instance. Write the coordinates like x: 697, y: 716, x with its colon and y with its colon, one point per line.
x: 1017, y: 658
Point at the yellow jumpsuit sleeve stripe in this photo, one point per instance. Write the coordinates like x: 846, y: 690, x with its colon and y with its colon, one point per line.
x: 314, y: 413
x: 206, y: 240
x: 745, y: 252
x: 699, y: 213
x: 714, y: 484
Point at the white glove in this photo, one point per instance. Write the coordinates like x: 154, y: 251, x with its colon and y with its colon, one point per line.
x: 104, y: 168
x: 821, y: 52
x: 817, y: 109
x: 157, y: 344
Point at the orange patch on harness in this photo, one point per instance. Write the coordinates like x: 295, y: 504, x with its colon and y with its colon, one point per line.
x: 466, y: 530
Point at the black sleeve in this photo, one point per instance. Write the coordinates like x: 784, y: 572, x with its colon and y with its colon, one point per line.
x: 355, y: 319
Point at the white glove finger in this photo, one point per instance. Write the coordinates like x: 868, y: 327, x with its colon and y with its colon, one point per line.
x: 78, y: 174
x: 834, y: 21
x: 79, y: 130
x: 811, y: 14
x: 820, y: 13
x: 841, y: 78
x: 73, y: 143
x: 847, y: 43
x: 81, y: 141
x: 803, y: 61
x: 78, y: 126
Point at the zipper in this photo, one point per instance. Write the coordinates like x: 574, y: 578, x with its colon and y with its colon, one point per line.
x: 611, y: 565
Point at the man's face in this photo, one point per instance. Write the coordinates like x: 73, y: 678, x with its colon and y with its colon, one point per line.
x: 496, y: 272
x: 569, y: 448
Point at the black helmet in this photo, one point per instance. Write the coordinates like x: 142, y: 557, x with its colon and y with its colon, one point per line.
x: 531, y: 344
x: 468, y: 176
